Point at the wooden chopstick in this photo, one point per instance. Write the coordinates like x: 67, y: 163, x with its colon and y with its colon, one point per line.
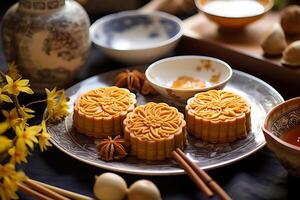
x: 36, y: 195
x: 44, y: 190
x: 205, y: 177
x: 199, y: 182
x: 66, y: 193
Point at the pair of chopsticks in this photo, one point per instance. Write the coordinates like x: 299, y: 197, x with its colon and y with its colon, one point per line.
x: 203, y: 181
x: 42, y: 191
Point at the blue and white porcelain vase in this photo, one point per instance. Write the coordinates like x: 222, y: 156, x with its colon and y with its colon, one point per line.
x: 47, y: 39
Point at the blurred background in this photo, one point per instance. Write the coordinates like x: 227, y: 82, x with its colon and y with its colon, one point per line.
x: 99, y: 8
x: 102, y: 7
x: 94, y: 7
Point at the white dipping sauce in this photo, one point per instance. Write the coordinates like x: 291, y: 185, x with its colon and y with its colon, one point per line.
x: 234, y: 8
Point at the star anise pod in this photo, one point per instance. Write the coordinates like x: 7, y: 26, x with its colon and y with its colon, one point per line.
x: 147, y: 89
x: 112, y: 149
x: 132, y: 80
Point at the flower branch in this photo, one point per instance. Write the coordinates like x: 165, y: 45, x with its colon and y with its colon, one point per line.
x: 17, y: 137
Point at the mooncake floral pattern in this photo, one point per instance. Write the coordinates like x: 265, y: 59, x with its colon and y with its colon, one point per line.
x: 105, y: 102
x: 154, y: 121
x: 218, y: 105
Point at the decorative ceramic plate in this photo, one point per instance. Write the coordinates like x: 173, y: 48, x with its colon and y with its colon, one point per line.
x: 261, y: 96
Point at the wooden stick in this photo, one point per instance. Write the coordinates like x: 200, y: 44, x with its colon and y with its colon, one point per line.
x: 200, y: 184
x: 45, y: 190
x: 205, y: 177
x: 66, y: 193
x: 36, y: 195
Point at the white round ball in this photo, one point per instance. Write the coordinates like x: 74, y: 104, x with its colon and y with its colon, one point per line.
x: 109, y: 186
x: 143, y: 190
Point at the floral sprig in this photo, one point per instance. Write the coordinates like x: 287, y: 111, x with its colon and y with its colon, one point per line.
x: 17, y: 136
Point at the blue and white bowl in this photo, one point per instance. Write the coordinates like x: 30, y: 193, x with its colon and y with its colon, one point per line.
x: 134, y: 37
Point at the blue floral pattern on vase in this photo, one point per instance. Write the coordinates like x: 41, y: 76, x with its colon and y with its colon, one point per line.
x: 48, y: 39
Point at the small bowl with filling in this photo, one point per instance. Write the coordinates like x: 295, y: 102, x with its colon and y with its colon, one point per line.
x: 181, y: 77
x: 282, y: 132
x: 234, y: 13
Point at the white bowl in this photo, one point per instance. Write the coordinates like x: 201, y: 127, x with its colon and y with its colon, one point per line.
x: 161, y: 75
x: 134, y: 37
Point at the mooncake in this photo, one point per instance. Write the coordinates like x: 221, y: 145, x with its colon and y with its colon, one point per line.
x: 218, y: 116
x: 155, y: 130
x: 100, y: 112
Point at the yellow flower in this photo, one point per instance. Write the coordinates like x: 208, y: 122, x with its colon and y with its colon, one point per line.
x: 27, y: 135
x: 15, y: 87
x: 51, y: 98
x: 18, y: 176
x: 26, y: 113
x: 11, y: 120
x: 5, y: 143
x: 60, y: 109
x: 10, y: 178
x: 7, y: 169
x: 13, y: 71
x: 18, y: 154
x: 8, y: 189
x: 44, y: 137
x: 4, y: 126
x: 11, y: 117
x: 4, y: 97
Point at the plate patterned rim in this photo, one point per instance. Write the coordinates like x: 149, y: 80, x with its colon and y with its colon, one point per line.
x: 72, y: 91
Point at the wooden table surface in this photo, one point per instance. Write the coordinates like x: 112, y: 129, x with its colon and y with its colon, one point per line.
x: 239, y: 46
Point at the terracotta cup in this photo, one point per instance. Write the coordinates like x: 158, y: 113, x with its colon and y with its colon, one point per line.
x: 234, y: 22
x: 279, y: 120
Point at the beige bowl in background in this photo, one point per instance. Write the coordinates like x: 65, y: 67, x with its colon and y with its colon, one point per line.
x: 232, y: 21
x: 161, y: 75
x: 283, y: 117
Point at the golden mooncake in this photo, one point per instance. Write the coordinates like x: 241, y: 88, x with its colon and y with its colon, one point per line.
x: 155, y: 130
x: 100, y: 112
x: 218, y: 116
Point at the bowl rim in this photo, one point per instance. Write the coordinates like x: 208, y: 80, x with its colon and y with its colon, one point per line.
x: 226, y: 65
x: 121, y: 14
x: 276, y: 109
x: 267, y: 8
